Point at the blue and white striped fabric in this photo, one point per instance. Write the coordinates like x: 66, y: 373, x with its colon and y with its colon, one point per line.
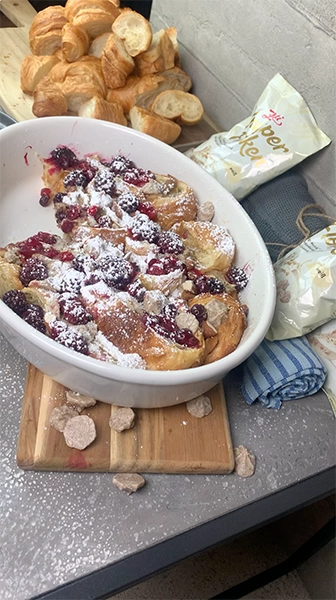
x: 282, y: 370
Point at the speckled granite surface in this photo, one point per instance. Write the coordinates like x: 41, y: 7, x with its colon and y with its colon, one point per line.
x: 56, y: 527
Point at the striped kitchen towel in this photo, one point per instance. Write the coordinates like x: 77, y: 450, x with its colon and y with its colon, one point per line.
x: 282, y: 370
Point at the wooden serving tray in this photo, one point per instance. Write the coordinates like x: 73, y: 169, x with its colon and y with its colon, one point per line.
x: 166, y: 440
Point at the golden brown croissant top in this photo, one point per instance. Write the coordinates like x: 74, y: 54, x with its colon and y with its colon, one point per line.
x: 45, y: 33
x: 75, y: 42
x: 33, y: 69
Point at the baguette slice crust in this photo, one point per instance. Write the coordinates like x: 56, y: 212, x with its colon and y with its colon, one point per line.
x: 176, y: 104
x: 159, y: 127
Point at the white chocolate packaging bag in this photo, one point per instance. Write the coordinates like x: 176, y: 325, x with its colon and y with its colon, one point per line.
x: 280, y: 133
x: 323, y: 341
x: 306, y: 287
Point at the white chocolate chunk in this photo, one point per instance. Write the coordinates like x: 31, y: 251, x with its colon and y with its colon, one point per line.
x: 79, y: 432
x: 186, y: 320
x: 78, y: 401
x: 60, y: 415
x: 206, y: 211
x: 199, y: 407
x: 129, y: 482
x: 122, y: 418
x: 245, y: 462
x: 216, y: 312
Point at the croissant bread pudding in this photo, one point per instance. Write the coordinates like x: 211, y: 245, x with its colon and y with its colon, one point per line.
x: 139, y: 275
x: 97, y: 60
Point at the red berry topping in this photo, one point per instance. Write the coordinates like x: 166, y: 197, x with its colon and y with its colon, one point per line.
x: 73, y: 212
x: 45, y: 196
x: 138, y: 177
x: 46, y: 238
x: 148, y: 209
x: 63, y: 157
x: 199, y: 311
x: 104, y: 181
x: 67, y: 225
x: 136, y: 290
x: 145, y: 229
x: 170, y: 243
x: 185, y: 337
x: 76, y: 178
x: 163, y: 266
x: 237, y: 276
x: 128, y: 202
x: 69, y: 338
x: 72, y: 310
x: 33, y: 269
x: 16, y: 300
x: 30, y: 246
x: 65, y: 256
x: 34, y: 316
x: 120, y: 164
x: 92, y: 210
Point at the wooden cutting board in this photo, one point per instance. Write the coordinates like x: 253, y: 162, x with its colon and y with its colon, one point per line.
x: 165, y: 440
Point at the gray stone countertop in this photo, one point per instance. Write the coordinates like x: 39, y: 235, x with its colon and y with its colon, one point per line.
x: 57, y: 527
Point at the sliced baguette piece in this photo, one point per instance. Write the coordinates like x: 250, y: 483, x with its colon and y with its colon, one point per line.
x: 175, y: 104
x: 183, y: 80
x: 116, y: 63
x: 158, y: 127
x: 98, y: 108
x: 134, y: 30
x: 33, y: 69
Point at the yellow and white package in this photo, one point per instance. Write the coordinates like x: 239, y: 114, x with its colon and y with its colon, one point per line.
x: 323, y: 341
x: 306, y: 287
x: 280, y: 133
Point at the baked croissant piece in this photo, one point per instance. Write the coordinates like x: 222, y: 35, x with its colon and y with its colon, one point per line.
x: 120, y: 68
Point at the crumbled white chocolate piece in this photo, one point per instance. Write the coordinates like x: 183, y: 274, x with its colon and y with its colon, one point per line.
x: 78, y: 401
x: 60, y: 415
x: 122, y: 418
x: 206, y: 211
x: 244, y: 462
x: 216, y: 312
x: 129, y: 482
x: 199, y: 407
x: 154, y: 301
x: 186, y: 320
x: 79, y: 432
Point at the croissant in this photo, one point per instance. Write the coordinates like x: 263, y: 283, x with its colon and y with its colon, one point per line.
x: 159, y: 56
x: 45, y: 33
x: 210, y: 245
x: 98, y: 108
x: 179, y: 205
x: 125, y: 95
x: 33, y: 69
x: 134, y: 30
x: 49, y: 100
x: 74, y: 7
x: 116, y: 63
x: 94, y: 21
x: 227, y: 323
x: 98, y: 44
x: 159, y: 127
x: 75, y: 42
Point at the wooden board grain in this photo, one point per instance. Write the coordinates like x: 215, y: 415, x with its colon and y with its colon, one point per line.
x: 166, y: 440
